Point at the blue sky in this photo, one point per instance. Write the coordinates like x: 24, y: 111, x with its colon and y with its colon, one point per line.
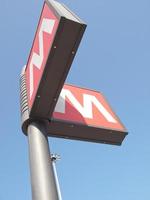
x: 114, y: 58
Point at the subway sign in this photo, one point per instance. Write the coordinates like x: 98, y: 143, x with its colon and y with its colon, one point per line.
x: 84, y: 114
x: 56, y: 41
x: 67, y: 111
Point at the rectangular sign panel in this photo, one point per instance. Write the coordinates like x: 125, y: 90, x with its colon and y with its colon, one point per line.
x: 56, y: 41
x: 84, y: 114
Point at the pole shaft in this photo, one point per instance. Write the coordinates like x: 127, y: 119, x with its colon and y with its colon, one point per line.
x: 56, y: 180
x: 41, y: 169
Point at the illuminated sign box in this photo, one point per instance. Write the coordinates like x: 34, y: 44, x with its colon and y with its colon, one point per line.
x: 69, y: 111
x: 56, y: 41
x: 83, y: 114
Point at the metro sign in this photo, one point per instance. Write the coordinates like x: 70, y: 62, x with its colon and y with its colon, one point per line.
x: 56, y: 41
x: 67, y: 111
x: 85, y: 115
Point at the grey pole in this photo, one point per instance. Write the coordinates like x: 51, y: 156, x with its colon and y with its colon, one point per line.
x: 54, y: 158
x: 41, y: 169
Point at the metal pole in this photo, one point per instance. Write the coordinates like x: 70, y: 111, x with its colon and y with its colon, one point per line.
x: 54, y: 158
x: 42, y: 175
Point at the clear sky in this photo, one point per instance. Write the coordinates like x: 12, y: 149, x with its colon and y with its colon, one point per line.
x: 114, y: 58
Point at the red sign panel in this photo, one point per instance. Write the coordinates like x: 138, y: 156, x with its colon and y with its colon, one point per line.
x: 86, y: 107
x: 38, y: 56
